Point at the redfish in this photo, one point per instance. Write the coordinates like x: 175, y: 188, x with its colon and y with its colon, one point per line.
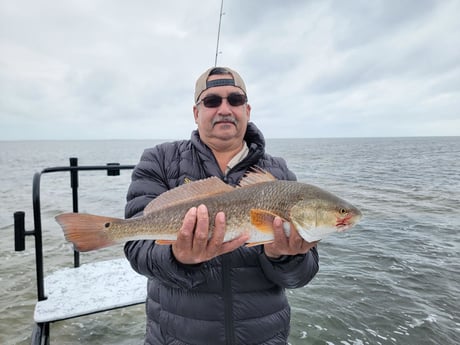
x: 249, y: 208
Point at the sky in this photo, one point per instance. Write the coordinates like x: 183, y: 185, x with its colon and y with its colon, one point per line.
x: 105, y: 69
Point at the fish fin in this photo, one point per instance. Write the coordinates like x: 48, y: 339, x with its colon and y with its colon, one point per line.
x: 164, y: 242
x: 256, y: 175
x: 253, y: 244
x: 86, y: 231
x: 263, y: 220
x: 188, y: 192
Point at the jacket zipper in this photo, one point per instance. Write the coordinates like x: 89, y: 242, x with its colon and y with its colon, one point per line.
x: 228, y: 300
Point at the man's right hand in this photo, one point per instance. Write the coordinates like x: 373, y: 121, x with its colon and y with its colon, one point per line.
x: 193, y: 244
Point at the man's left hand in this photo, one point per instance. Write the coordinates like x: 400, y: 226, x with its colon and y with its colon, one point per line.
x: 286, y: 245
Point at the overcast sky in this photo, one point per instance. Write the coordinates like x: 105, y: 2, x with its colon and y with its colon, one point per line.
x: 105, y: 69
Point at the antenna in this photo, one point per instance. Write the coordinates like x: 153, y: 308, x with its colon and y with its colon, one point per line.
x: 218, y: 31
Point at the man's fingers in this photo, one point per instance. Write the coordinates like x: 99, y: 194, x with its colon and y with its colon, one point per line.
x: 219, y: 230
x: 202, y: 229
x: 295, y: 241
x: 186, y: 232
x: 280, y: 238
x: 193, y: 244
x: 183, y: 244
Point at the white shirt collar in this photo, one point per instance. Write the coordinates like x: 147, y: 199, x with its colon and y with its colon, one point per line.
x: 238, y: 157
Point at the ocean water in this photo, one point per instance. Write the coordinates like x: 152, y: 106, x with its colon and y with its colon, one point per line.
x: 393, y: 279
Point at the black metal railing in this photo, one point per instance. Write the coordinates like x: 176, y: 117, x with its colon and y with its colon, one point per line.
x: 20, y: 233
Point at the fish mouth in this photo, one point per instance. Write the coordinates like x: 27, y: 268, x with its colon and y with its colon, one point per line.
x: 344, y: 227
x: 345, y: 223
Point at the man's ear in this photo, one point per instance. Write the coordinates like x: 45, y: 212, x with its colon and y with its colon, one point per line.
x: 248, y: 110
x: 195, y: 113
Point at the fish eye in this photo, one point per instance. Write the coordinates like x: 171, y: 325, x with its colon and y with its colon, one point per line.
x: 343, y: 211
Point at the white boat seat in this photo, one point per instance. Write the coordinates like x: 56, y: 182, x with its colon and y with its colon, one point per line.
x: 90, y: 288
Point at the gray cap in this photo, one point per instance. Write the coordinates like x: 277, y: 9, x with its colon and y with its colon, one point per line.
x: 203, y: 84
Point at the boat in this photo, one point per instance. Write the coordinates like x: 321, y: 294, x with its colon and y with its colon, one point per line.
x: 83, y: 289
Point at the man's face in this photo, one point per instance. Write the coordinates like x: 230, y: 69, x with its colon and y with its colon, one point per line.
x: 225, y: 122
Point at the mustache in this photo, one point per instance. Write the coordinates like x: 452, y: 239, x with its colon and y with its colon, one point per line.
x: 226, y: 118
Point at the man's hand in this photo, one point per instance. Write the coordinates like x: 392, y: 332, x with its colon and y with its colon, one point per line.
x: 284, y: 245
x: 193, y: 244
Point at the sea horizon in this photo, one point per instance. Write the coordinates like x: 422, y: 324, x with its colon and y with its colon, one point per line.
x: 266, y: 138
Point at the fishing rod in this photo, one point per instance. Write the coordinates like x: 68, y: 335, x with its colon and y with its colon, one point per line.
x: 218, y: 31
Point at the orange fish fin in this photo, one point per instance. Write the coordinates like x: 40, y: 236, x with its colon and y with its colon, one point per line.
x: 253, y: 244
x: 86, y: 231
x: 164, y: 242
x: 254, y: 176
x: 262, y: 220
x: 188, y: 192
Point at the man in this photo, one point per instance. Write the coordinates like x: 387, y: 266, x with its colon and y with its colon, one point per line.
x: 201, y: 290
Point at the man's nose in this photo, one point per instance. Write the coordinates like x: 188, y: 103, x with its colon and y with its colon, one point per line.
x: 224, y: 107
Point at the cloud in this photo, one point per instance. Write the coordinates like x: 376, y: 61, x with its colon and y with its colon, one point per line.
x: 98, y: 69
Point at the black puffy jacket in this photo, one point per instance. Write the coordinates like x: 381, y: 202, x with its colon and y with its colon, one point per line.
x: 236, y: 298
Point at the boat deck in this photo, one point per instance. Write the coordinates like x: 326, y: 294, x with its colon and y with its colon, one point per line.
x: 90, y: 288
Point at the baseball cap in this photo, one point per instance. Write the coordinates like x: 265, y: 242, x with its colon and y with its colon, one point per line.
x: 203, y: 84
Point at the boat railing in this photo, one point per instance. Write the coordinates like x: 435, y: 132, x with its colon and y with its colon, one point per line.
x: 46, y: 311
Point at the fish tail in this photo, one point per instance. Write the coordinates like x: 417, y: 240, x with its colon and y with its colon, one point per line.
x: 86, y: 231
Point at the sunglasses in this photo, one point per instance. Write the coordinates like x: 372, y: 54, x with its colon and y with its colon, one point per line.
x: 214, y: 101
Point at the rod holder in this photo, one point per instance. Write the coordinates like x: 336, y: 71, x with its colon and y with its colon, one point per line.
x: 113, y: 169
x: 19, y: 231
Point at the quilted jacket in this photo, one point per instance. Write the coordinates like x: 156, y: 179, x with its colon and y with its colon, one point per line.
x: 236, y: 298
